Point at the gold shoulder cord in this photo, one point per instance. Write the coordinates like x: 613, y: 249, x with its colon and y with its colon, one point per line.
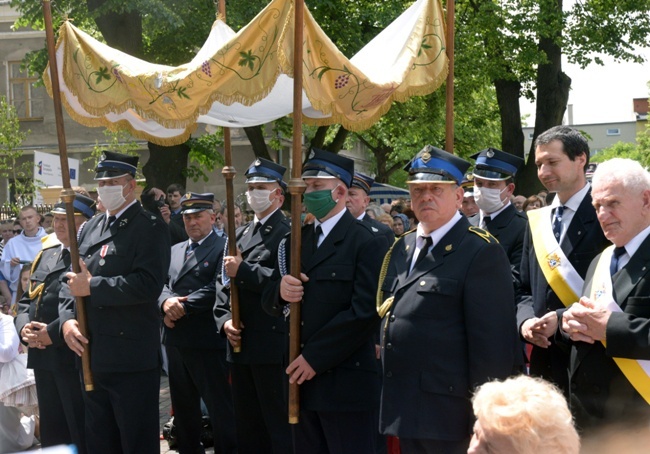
x: 384, y: 306
x: 34, y: 292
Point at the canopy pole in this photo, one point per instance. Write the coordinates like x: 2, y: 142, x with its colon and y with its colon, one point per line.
x: 229, y: 173
x: 449, y: 117
x: 67, y: 194
x: 296, y: 189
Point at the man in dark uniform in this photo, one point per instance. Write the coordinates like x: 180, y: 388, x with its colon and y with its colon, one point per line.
x: 358, y: 200
x: 196, y: 352
x: 337, y: 369
x: 257, y: 372
x: 449, y: 318
x: 559, y: 245
x: 494, y: 173
x: 60, y: 403
x: 124, y: 260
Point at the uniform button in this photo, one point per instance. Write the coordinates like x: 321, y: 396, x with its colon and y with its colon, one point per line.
x: 302, y: 323
x: 422, y: 283
x: 121, y: 333
x: 273, y: 327
x: 392, y: 318
x: 451, y: 389
x: 45, y: 292
x: 357, y: 364
x: 333, y: 274
x: 89, y: 256
x: 389, y: 374
x: 389, y: 346
x: 302, y: 345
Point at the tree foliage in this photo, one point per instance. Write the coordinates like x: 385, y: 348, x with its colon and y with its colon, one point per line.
x: 19, y: 173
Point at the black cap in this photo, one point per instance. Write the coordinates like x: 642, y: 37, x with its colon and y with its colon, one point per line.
x: 83, y: 206
x: 193, y: 202
x: 359, y: 180
x: 265, y: 171
x: 115, y: 165
x: 496, y: 165
x: 433, y: 165
x: 325, y: 164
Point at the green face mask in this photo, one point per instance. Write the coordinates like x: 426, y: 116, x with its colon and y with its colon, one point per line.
x: 319, y: 203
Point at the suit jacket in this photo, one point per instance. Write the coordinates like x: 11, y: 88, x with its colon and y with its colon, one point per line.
x: 339, y: 315
x: 195, y: 278
x: 451, y: 328
x: 128, y: 263
x: 380, y: 229
x: 584, y: 239
x: 509, y: 227
x: 600, y: 393
x: 49, y: 268
x: 263, y: 335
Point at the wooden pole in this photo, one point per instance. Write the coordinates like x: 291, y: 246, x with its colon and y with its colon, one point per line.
x: 296, y: 189
x: 229, y: 173
x: 449, y: 117
x: 67, y: 194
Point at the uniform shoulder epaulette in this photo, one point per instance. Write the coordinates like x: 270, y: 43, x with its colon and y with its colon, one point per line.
x: 406, y: 233
x: 49, y: 241
x: 487, y: 236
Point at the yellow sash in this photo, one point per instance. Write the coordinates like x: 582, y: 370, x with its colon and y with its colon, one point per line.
x: 637, y: 371
x: 558, y: 270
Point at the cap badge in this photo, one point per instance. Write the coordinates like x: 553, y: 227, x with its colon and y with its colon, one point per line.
x: 102, y: 157
x: 312, y: 154
x: 490, y: 154
x: 257, y: 162
x: 188, y: 195
x: 426, y: 157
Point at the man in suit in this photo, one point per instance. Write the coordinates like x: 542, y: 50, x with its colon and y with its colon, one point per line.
x: 340, y: 262
x: 610, y: 326
x: 448, y: 315
x: 171, y: 213
x: 124, y: 260
x: 494, y: 173
x: 358, y: 200
x: 196, y: 353
x: 559, y: 244
x: 257, y: 372
x: 58, y: 389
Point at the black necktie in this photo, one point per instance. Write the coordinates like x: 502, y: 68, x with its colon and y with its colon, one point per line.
x: 65, y: 258
x: 109, y: 221
x: 317, y: 232
x: 486, y: 220
x: 190, y: 249
x: 613, y: 265
x: 428, y: 241
x: 557, y: 222
x: 258, y: 226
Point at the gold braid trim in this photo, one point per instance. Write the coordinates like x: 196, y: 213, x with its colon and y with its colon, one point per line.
x: 384, y: 306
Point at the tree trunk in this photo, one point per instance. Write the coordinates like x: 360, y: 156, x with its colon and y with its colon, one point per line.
x: 256, y: 138
x: 318, y: 141
x: 339, y: 140
x: 552, y: 96
x: 512, y: 135
x: 122, y: 31
x: 165, y: 165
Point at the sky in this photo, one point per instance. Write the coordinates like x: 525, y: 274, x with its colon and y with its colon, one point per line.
x: 602, y: 94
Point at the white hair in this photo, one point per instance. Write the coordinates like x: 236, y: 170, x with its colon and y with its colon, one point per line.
x: 627, y: 172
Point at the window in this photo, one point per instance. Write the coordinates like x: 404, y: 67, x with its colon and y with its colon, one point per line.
x: 23, y: 95
x: 613, y: 131
x: 530, y: 136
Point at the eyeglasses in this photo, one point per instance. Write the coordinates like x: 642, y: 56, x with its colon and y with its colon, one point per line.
x: 18, y: 232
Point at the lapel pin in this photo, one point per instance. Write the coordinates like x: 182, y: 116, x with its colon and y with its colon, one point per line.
x: 448, y: 247
x: 123, y: 222
x: 407, y: 248
x: 268, y: 229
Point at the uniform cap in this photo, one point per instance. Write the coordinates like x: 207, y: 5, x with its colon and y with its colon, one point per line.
x: 359, y: 180
x: 325, y: 164
x: 496, y: 165
x: 433, y: 165
x: 115, y: 165
x: 193, y: 202
x: 265, y: 171
x: 83, y: 206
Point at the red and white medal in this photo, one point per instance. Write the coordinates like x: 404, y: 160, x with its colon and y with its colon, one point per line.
x: 102, y: 254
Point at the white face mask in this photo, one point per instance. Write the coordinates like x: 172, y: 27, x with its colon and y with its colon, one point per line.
x: 488, y: 199
x: 258, y: 199
x: 111, y: 196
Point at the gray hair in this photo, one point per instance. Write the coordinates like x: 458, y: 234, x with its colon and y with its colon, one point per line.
x: 627, y: 172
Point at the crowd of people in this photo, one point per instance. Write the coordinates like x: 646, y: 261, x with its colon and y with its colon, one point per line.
x: 467, y: 319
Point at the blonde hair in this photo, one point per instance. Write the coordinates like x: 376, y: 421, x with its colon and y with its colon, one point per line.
x: 531, y: 412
